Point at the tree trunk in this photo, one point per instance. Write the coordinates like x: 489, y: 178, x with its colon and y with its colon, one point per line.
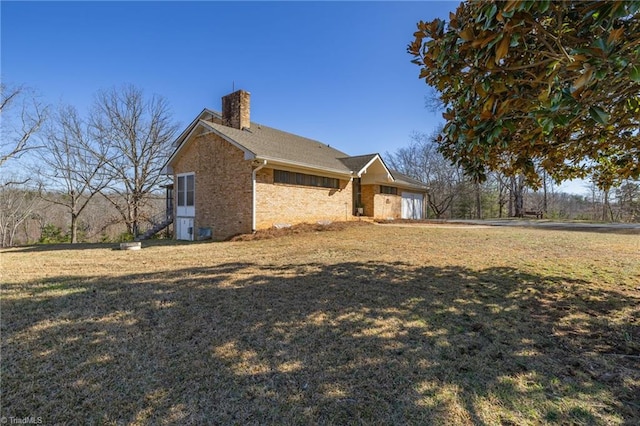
x: 517, y: 196
x: 74, y: 228
x: 478, y: 200
x: 544, y: 188
x: 134, y: 222
x: 606, y: 207
x: 512, y: 187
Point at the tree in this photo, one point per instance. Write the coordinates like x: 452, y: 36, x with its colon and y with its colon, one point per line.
x: 72, y: 164
x: 137, y: 134
x: 18, y: 130
x: 536, y: 84
x: 17, y: 203
x: 422, y: 161
x: 628, y: 195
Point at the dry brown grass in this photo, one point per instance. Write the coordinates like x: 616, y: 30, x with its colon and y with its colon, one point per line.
x: 369, y: 324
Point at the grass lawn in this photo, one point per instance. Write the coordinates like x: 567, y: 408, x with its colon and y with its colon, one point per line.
x: 367, y: 325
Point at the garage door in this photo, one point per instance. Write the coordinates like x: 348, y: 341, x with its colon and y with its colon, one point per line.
x: 412, y: 207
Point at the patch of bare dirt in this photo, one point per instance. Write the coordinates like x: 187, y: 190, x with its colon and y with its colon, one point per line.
x: 302, y: 228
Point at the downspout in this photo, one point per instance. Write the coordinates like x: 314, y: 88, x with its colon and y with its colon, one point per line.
x: 253, y: 181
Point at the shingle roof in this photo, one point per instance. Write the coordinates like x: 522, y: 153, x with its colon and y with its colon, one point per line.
x: 402, y: 178
x: 356, y: 163
x: 267, y: 142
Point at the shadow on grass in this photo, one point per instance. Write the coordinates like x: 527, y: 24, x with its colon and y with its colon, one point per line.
x: 349, y: 343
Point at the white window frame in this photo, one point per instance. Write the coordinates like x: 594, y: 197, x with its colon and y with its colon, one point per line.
x: 182, y: 209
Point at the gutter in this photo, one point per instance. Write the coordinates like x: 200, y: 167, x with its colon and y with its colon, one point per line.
x: 253, y: 190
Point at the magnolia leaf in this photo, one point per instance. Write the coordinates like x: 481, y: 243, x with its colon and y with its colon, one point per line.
x: 635, y: 73
x: 615, y: 35
x: 583, y: 79
x: 502, y: 49
x: 511, y: 5
x: 599, y: 115
x: 488, y: 105
x: 467, y: 34
x: 544, y: 5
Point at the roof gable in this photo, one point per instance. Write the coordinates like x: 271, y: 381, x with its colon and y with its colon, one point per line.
x: 205, y: 114
x: 361, y: 163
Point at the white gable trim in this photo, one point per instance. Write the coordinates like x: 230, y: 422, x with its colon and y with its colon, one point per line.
x: 373, y: 160
x: 189, y: 128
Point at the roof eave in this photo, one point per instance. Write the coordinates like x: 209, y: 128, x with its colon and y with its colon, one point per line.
x: 283, y: 162
x: 248, y: 155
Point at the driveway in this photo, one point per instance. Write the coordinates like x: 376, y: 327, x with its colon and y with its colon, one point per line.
x: 620, y: 228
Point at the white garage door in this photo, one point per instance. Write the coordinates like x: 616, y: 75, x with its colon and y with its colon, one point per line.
x: 412, y: 205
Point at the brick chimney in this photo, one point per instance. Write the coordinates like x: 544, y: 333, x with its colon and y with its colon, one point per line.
x: 236, y: 109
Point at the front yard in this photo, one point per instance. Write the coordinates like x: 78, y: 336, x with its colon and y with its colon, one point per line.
x: 367, y: 325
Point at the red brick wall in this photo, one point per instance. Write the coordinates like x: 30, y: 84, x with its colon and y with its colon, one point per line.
x: 283, y: 203
x: 223, y: 185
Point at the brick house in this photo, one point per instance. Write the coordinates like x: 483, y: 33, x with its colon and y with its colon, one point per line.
x: 233, y: 176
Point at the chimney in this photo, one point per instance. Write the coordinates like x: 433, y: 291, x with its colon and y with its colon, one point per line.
x: 235, y: 109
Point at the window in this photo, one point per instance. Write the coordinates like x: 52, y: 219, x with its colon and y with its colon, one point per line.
x: 388, y: 190
x: 292, y: 178
x: 186, y: 190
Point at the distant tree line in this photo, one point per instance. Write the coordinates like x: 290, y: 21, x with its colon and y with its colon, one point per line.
x: 71, y: 177
x: 453, y: 194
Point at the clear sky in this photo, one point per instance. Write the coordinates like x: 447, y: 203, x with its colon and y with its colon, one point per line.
x: 337, y: 72
x: 333, y: 71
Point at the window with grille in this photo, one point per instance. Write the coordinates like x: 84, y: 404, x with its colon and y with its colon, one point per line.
x: 293, y: 178
x: 388, y: 190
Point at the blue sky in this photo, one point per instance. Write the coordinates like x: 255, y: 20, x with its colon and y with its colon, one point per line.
x: 337, y: 72
x: 333, y: 71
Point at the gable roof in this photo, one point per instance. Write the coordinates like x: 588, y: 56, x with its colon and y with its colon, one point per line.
x: 271, y: 144
x: 358, y: 162
x: 403, y: 179
x: 276, y: 146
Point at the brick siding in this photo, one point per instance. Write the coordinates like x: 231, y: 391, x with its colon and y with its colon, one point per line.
x: 283, y: 203
x: 223, y: 188
x: 381, y: 206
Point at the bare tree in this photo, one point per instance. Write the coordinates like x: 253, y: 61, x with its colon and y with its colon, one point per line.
x: 72, y: 165
x: 137, y: 133
x: 16, y: 206
x: 22, y: 116
x: 502, y: 187
x: 422, y: 161
x: 628, y: 197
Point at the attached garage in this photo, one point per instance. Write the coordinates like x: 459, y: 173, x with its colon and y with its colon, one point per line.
x: 412, y: 205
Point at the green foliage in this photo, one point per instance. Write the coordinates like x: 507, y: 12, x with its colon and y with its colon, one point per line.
x: 526, y: 84
x: 125, y: 237
x: 52, y: 234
